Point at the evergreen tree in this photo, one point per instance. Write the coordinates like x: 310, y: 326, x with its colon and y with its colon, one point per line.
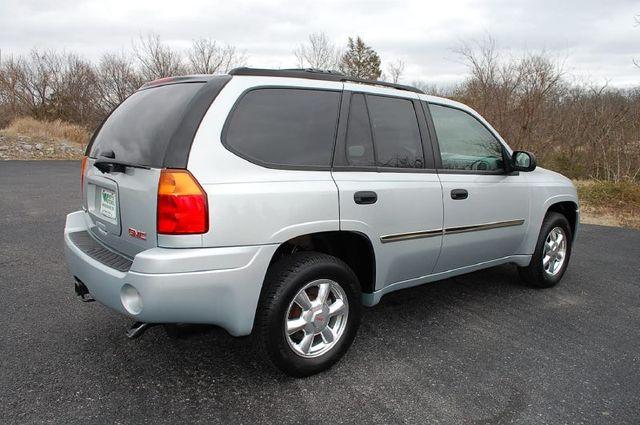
x: 360, y: 60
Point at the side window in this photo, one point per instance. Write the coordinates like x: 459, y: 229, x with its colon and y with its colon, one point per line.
x: 281, y: 126
x: 395, y: 132
x: 465, y: 143
x: 359, y: 146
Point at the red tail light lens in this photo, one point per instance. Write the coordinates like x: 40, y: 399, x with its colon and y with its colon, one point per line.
x: 182, y: 204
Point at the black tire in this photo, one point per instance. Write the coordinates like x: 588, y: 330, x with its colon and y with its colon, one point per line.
x: 283, y: 281
x: 534, y: 274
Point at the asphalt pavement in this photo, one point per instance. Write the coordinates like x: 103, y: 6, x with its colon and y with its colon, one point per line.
x: 480, y: 348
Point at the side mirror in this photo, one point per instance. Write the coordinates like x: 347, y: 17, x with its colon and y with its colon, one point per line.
x: 523, y: 161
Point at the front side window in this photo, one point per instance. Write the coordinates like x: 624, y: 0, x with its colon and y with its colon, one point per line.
x: 465, y: 143
x: 282, y: 126
x: 395, y: 132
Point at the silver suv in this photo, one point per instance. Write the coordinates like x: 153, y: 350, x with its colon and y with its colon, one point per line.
x: 279, y: 202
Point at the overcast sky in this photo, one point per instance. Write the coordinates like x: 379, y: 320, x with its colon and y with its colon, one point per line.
x: 597, y: 39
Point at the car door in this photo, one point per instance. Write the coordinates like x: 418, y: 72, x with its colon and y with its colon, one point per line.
x: 388, y: 188
x: 486, y: 209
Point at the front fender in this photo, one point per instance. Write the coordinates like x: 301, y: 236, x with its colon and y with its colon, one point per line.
x: 538, y: 214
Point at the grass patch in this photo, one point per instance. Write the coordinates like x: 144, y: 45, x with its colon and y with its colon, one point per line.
x: 56, y: 130
x: 609, y: 203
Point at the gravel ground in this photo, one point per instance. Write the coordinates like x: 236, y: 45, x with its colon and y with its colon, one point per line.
x: 29, y: 148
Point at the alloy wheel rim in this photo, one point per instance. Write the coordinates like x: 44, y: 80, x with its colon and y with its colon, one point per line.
x: 316, y: 318
x: 555, y: 251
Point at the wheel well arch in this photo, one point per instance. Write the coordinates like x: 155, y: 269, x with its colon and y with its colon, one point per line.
x: 354, y: 248
x: 569, y: 210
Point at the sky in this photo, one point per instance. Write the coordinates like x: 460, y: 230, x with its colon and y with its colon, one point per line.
x: 596, y: 40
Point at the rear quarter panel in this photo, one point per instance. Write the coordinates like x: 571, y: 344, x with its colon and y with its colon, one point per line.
x: 250, y: 204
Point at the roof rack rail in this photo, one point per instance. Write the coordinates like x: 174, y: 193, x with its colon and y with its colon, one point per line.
x: 317, y: 74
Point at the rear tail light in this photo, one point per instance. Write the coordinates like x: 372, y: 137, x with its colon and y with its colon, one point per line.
x: 182, y: 204
x: 83, y: 167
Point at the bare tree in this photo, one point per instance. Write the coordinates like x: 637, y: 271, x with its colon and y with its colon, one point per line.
x: 49, y: 85
x: 157, y: 60
x: 117, y: 79
x: 395, y: 70
x: 26, y: 82
x: 74, y: 89
x: 318, y: 53
x: 584, y: 131
x: 207, y: 57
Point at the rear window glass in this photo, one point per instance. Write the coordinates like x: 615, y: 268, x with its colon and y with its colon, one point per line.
x: 139, y: 130
x: 290, y: 127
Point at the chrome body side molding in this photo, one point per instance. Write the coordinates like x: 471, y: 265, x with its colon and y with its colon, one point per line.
x: 449, y: 231
x: 485, y: 226
x: 411, y: 235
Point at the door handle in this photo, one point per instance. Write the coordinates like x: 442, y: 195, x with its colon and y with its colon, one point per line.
x: 459, y: 194
x: 365, y: 197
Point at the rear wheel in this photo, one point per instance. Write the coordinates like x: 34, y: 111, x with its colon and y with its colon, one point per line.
x: 309, y: 313
x: 552, y: 253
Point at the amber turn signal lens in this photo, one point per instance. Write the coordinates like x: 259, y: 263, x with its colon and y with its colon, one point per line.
x: 83, y: 167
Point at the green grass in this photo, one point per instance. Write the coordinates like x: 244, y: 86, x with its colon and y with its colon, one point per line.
x: 610, y: 194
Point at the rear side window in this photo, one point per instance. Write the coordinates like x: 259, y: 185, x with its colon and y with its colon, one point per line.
x: 359, y: 146
x: 140, y: 129
x: 282, y: 126
x: 395, y: 132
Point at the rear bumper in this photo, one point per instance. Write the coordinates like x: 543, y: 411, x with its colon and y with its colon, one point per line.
x: 219, y: 286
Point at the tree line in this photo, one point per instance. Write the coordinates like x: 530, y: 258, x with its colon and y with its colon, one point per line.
x: 583, y: 130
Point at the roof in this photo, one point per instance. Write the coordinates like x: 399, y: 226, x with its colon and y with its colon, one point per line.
x: 309, y: 73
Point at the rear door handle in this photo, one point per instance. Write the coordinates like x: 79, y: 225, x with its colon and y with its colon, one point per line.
x: 365, y: 197
x: 459, y: 194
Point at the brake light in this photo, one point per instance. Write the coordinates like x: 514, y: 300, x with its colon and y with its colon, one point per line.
x: 83, y: 167
x: 182, y: 204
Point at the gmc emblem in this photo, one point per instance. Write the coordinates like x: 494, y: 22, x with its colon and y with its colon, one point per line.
x: 137, y: 234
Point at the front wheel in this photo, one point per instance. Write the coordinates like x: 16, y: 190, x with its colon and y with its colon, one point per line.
x: 551, y: 257
x: 309, y: 313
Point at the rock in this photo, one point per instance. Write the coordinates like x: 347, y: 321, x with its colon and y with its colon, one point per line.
x: 39, y: 146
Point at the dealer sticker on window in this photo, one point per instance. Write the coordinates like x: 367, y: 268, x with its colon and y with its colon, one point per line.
x: 108, y: 204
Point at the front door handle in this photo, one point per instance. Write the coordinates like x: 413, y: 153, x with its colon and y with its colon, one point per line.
x: 365, y: 197
x: 459, y: 194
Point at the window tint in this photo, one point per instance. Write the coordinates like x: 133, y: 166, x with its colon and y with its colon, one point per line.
x: 395, y: 132
x: 359, y: 146
x: 139, y: 130
x: 465, y: 143
x: 285, y: 126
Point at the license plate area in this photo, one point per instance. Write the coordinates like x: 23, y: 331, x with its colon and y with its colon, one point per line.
x: 108, y: 204
x: 103, y: 206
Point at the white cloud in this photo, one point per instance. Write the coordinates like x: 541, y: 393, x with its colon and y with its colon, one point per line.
x: 598, y: 38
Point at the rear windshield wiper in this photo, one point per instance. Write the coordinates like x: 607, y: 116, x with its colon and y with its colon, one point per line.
x: 108, y: 165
